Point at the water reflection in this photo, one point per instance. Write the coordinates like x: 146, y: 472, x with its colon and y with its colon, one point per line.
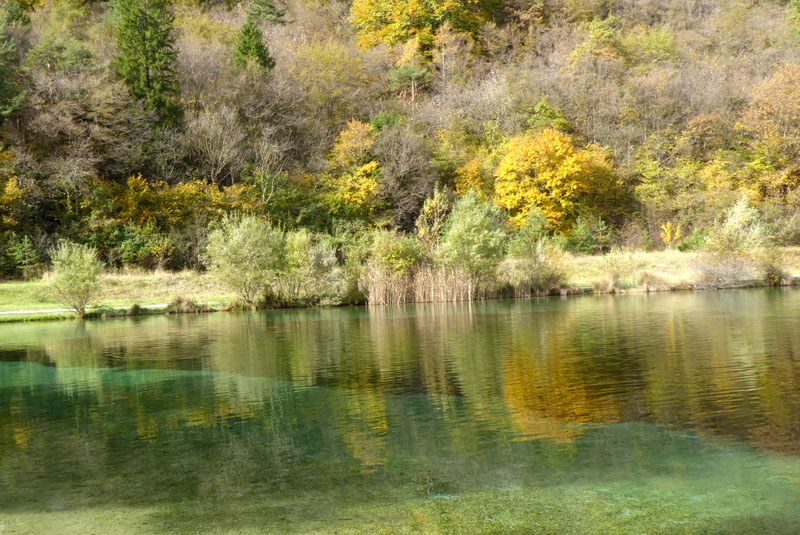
x: 440, y: 398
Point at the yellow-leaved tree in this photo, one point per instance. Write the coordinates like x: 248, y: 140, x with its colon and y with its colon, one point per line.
x: 399, y: 21
x: 549, y: 171
x: 354, y: 187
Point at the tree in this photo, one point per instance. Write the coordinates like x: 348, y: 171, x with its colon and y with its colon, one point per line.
x: 431, y: 220
x: 398, y: 21
x: 76, y: 272
x: 473, y: 240
x: 409, y: 79
x: 250, y: 47
x: 548, y: 171
x: 774, y: 113
x: 246, y: 253
x: 10, y: 95
x: 146, y: 57
x: 265, y: 11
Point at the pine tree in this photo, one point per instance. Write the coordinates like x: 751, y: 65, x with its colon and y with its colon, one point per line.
x: 10, y: 95
x: 250, y: 47
x: 146, y: 55
x: 265, y: 11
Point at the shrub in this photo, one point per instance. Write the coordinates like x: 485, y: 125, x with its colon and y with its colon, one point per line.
x: 739, y: 247
x: 540, y: 270
x: 620, y: 272
x: 391, y: 269
x: 431, y: 220
x: 76, y: 272
x: 23, y: 255
x: 246, y: 253
x: 144, y: 246
x: 589, y: 236
x: 182, y: 305
x: 693, y: 242
x: 473, y: 241
x: 310, y: 274
x: 535, y: 263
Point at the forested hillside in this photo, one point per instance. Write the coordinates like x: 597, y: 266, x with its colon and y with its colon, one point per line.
x: 132, y: 125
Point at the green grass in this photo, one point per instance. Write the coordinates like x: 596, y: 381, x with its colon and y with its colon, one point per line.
x: 119, y: 290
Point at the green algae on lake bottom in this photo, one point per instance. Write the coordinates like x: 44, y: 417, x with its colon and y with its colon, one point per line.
x: 668, y: 414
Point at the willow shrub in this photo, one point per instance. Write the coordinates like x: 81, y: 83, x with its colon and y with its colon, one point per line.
x: 247, y: 254
x: 538, y: 269
x: 740, y: 247
x: 309, y: 274
x: 473, y: 242
x: 76, y: 275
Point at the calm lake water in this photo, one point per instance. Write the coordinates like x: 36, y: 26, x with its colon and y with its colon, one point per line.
x: 674, y: 413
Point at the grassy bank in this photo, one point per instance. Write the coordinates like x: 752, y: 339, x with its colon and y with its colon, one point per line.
x: 119, y: 290
x: 674, y: 269
x: 665, y: 270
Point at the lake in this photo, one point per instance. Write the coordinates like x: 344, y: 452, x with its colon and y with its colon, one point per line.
x: 669, y: 413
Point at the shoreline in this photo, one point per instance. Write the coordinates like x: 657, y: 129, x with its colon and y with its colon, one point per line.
x: 183, y: 306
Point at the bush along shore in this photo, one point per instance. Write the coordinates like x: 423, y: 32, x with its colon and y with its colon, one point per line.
x: 465, y: 252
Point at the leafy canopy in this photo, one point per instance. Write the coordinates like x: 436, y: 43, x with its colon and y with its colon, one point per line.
x: 76, y: 272
x: 548, y: 171
x: 246, y: 253
x: 474, y: 238
x: 398, y: 21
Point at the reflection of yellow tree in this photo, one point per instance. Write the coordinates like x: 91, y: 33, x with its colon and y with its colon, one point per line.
x: 364, y: 426
x: 549, y: 398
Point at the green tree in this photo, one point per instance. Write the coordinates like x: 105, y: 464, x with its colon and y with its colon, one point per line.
x: 10, y: 95
x: 265, y: 11
x: 23, y: 254
x: 473, y: 241
x: 408, y: 79
x: 146, y: 55
x: 246, y: 253
x: 76, y: 275
x: 250, y: 47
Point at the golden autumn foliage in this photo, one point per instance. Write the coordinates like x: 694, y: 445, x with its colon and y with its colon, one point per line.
x: 353, y: 144
x: 156, y: 202
x: 354, y: 188
x: 549, y: 171
x: 399, y: 21
x: 470, y: 177
x: 775, y: 110
x: 360, y: 187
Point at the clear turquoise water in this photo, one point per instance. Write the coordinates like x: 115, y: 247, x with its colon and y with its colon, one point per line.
x: 673, y: 413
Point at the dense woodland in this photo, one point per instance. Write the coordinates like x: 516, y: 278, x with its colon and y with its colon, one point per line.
x: 134, y: 126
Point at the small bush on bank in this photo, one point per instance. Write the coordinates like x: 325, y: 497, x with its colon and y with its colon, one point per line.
x: 473, y: 242
x: 540, y: 271
x: 144, y: 246
x: 620, y: 272
x: 390, y: 272
x: 693, y: 242
x: 182, y: 305
x: 247, y: 254
x: 536, y: 263
x: 309, y: 274
x: 589, y: 236
x: 740, y: 248
x: 76, y: 275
